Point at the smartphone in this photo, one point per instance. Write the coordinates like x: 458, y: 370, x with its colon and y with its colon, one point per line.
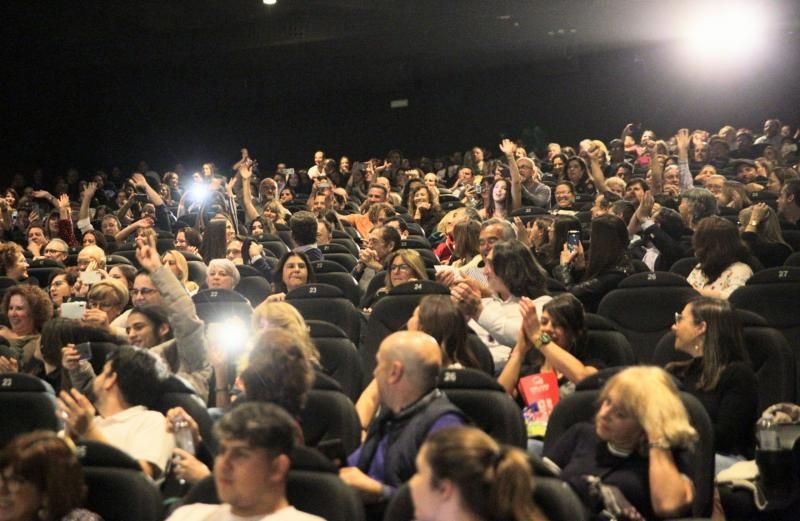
x: 73, y: 310
x: 479, y: 189
x: 573, y: 239
x: 288, y: 171
x: 90, y: 277
x: 84, y: 349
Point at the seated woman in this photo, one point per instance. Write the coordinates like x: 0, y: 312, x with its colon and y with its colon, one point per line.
x: 512, y: 273
x: 761, y: 231
x: 106, y: 301
x: 550, y: 254
x: 462, y: 473
x: 565, y: 199
x: 42, y: 480
x: 558, y: 338
x: 60, y: 288
x: 177, y: 264
x: 718, y: 374
x: 222, y: 274
x: 187, y: 239
x: 466, y: 244
x: 438, y: 316
x: 425, y: 209
x: 632, y: 445
x: 125, y: 273
x: 607, y: 265
x: 292, y: 271
x: 402, y: 266
x: 721, y: 255
x: 27, y: 308
x: 12, y: 262
x: 577, y: 173
x: 499, y: 202
x: 261, y: 226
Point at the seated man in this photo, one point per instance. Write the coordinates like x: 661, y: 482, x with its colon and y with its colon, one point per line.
x: 304, y: 233
x: 251, y: 468
x: 130, y: 381
x: 412, y: 408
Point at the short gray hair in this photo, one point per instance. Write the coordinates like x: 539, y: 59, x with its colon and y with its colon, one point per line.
x: 508, y: 230
x: 228, y: 266
x: 702, y: 203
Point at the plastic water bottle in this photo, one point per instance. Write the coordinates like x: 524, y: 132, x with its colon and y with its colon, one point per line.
x: 183, y: 434
x: 767, y: 434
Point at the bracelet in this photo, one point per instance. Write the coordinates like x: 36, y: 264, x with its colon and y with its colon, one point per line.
x: 659, y: 444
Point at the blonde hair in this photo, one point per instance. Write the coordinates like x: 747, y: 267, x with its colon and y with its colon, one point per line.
x: 410, y: 257
x: 109, y: 287
x: 768, y: 230
x: 95, y: 253
x: 183, y: 269
x: 649, y: 394
x: 283, y: 316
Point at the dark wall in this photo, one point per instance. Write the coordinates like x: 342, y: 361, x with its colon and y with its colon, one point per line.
x: 191, y: 113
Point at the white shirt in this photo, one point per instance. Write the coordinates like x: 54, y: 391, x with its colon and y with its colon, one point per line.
x: 140, y: 433
x: 202, y: 512
x: 734, y: 276
x: 499, y: 324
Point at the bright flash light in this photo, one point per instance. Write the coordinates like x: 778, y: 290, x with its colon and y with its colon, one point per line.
x: 270, y: 2
x: 726, y: 31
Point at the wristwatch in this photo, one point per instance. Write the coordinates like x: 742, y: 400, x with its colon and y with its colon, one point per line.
x: 543, y: 339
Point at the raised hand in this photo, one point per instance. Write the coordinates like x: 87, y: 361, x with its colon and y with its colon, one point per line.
x: 63, y: 201
x: 77, y: 412
x: 508, y: 147
x: 90, y: 190
x: 683, y: 138
x: 147, y: 254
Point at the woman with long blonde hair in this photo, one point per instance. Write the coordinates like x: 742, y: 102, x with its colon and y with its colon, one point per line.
x: 633, y: 445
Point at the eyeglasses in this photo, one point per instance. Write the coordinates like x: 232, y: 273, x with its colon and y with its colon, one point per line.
x: 51, y: 250
x: 401, y: 267
x: 678, y: 318
x: 143, y: 291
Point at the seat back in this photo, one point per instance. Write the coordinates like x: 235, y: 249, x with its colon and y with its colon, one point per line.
x: 557, y: 500
x: 348, y: 243
x: 391, y: 313
x: 582, y: 406
x: 330, y: 415
x: 481, y: 398
x: 26, y: 404
x: 177, y: 393
x: 339, y: 356
x: 122, y: 494
x: 333, y: 248
x: 254, y: 289
x: 347, y: 261
x: 197, y: 271
x: 643, y: 308
x: 773, y: 294
x: 345, y: 282
x: 326, y: 302
x: 328, y: 266
x: 684, y: 266
x: 215, y: 305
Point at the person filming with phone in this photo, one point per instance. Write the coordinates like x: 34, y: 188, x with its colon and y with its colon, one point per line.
x: 607, y: 264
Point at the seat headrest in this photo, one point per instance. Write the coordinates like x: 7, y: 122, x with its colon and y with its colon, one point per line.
x: 775, y: 275
x: 217, y: 296
x: 415, y: 287
x: 467, y: 379
x: 656, y: 278
x: 326, y: 266
x: 319, y: 328
x: 20, y: 382
x: 97, y: 454
x: 315, y: 290
x: 46, y: 263
x: 247, y: 271
x: 598, y: 322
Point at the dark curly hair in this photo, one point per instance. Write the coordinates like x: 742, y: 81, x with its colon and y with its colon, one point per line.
x: 9, y: 253
x: 37, y: 299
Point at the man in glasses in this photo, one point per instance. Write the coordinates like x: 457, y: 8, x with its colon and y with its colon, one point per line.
x: 56, y: 250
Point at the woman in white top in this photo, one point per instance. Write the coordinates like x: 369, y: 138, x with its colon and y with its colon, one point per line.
x: 722, y: 256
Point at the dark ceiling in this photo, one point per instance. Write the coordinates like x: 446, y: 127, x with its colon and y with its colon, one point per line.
x: 97, y: 81
x: 416, y: 36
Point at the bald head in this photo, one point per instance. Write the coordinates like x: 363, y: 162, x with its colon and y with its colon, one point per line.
x: 416, y: 355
